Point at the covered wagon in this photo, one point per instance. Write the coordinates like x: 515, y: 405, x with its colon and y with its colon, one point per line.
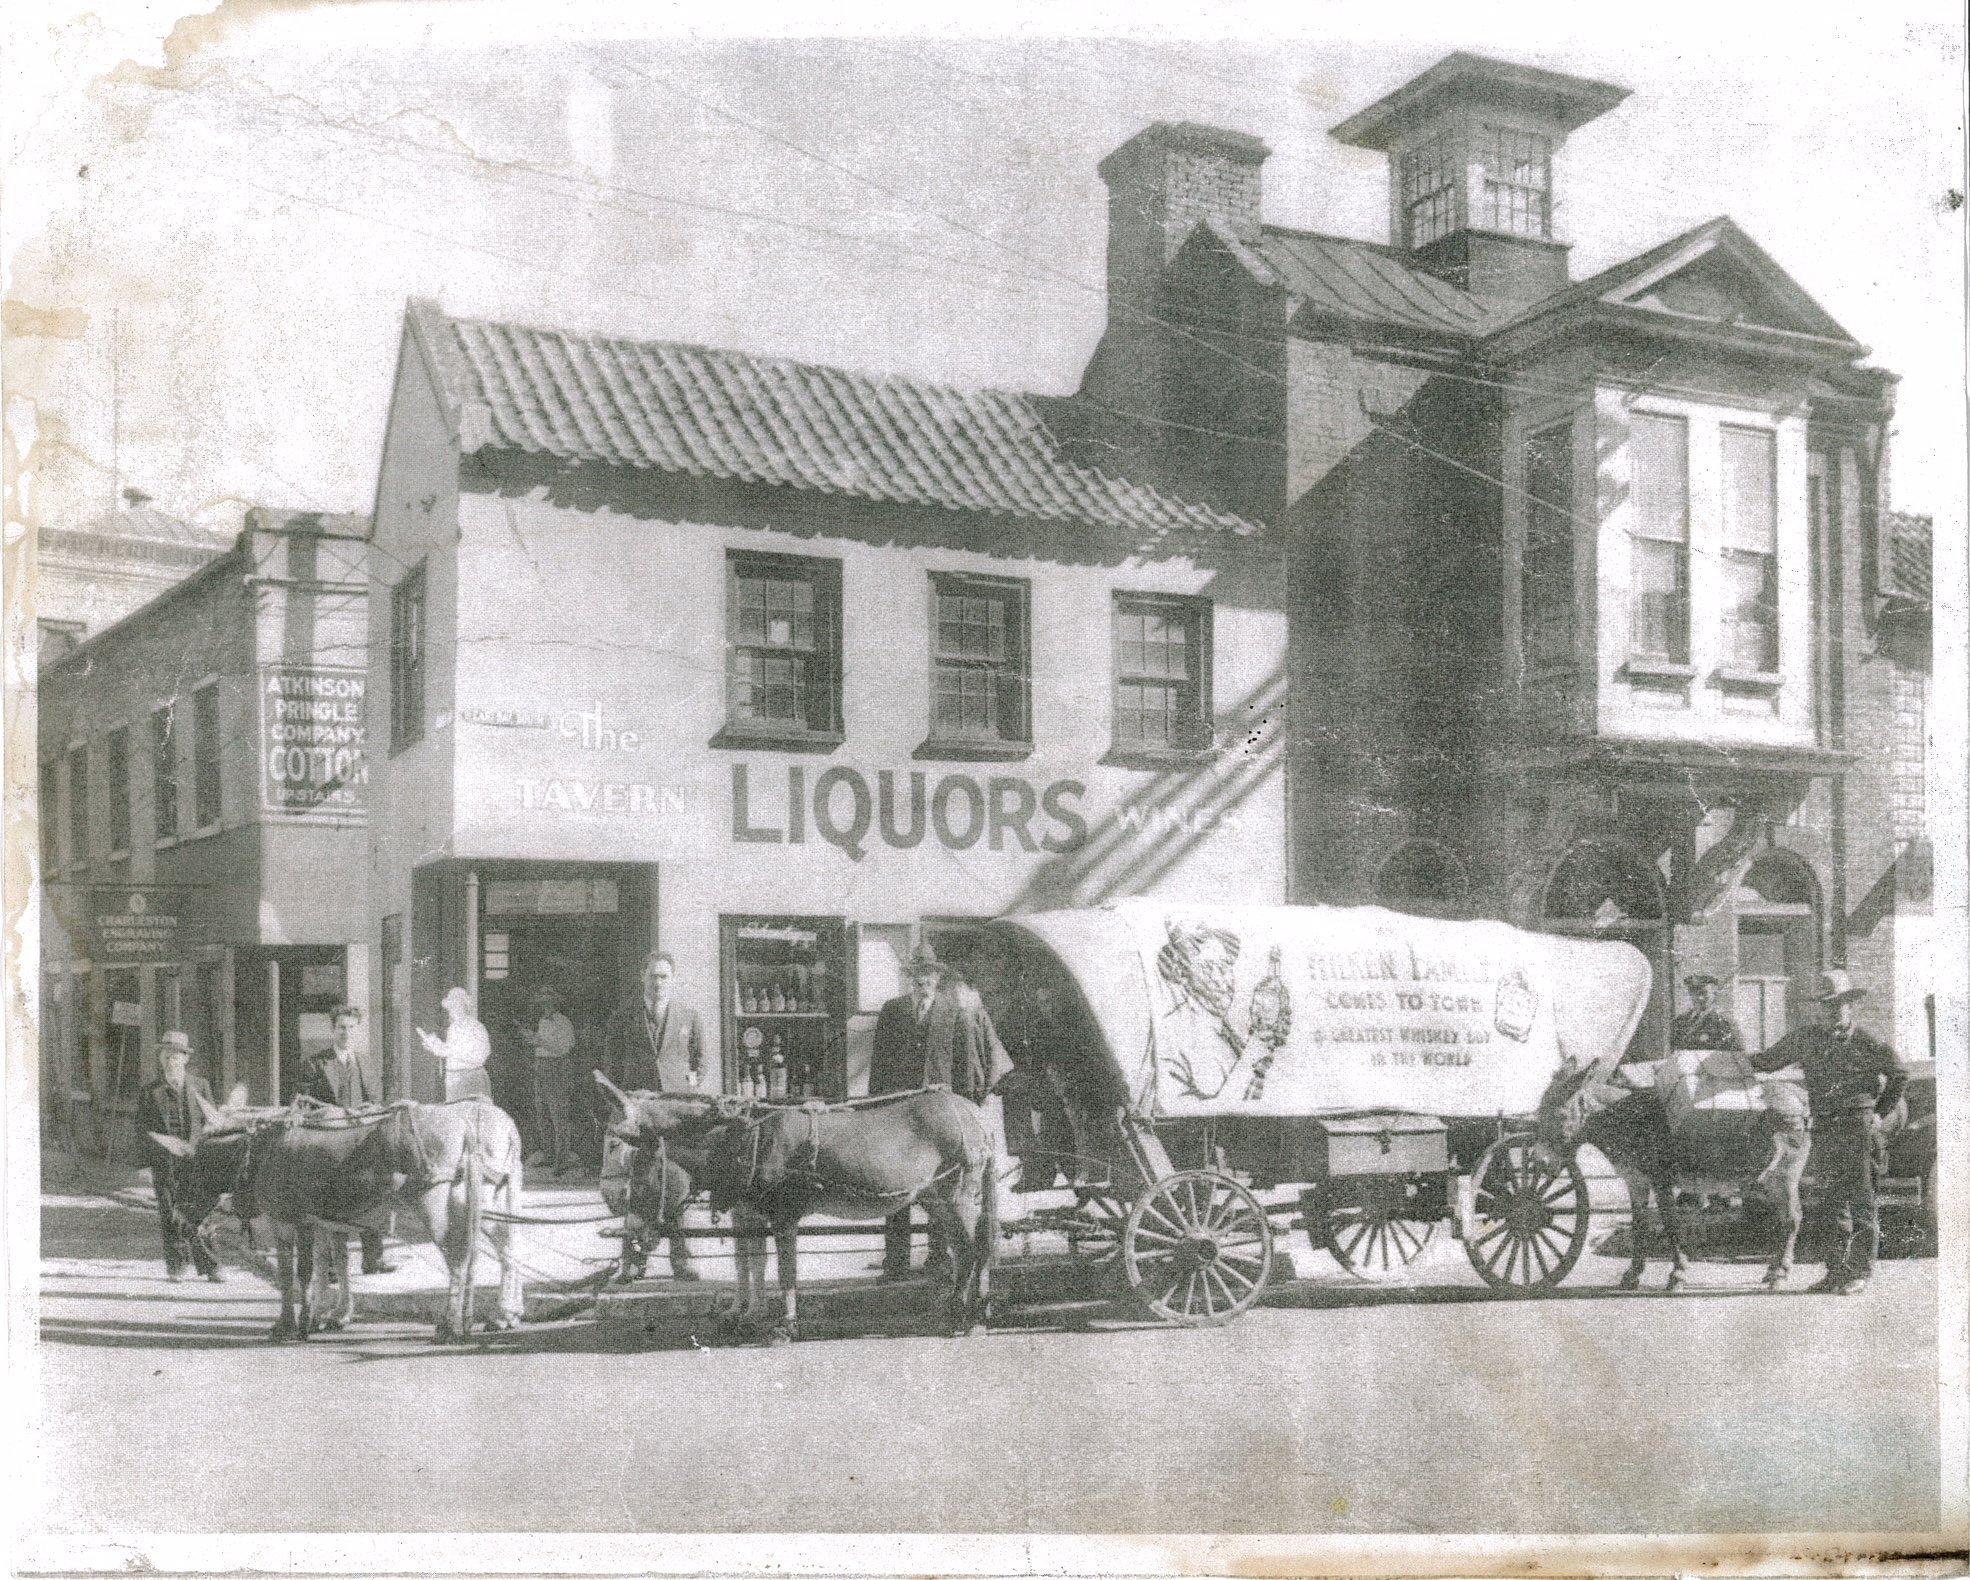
x: 1195, y: 1074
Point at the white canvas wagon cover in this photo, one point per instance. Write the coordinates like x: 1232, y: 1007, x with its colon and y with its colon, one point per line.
x: 1297, y: 1010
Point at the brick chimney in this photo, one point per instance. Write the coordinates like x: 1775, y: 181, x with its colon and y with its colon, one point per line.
x: 1164, y: 182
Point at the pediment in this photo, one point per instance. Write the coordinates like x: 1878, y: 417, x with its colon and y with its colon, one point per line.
x: 1722, y: 277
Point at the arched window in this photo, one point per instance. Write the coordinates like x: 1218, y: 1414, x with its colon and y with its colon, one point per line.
x: 1601, y: 886
x: 1425, y: 878
x: 1604, y: 890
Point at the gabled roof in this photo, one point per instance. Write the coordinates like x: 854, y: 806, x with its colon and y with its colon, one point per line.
x: 727, y: 415
x: 1361, y: 282
x: 1716, y: 248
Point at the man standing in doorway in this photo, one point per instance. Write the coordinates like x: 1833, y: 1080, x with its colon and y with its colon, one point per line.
x: 653, y: 1044
x: 336, y: 1076
x: 1852, y: 1083
x: 551, y: 1042
x: 1703, y: 1026
x: 931, y: 1036
x: 174, y: 1105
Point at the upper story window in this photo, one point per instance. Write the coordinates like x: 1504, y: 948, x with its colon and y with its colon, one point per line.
x: 164, y: 770
x: 783, y: 646
x: 408, y: 640
x: 205, y: 756
x: 1750, y: 550
x: 979, y: 661
x: 1429, y: 183
x: 78, y: 805
x: 1659, y: 538
x: 1162, y: 673
x: 1518, y: 182
x: 1546, y: 595
x: 118, y: 760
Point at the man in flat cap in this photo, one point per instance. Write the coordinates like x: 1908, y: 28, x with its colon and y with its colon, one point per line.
x: 1853, y: 1082
x: 173, y: 1105
x: 1703, y: 1025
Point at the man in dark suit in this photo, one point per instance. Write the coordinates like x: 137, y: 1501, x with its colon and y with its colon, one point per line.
x: 654, y: 1044
x: 336, y: 1076
x: 170, y: 1106
x: 937, y: 1034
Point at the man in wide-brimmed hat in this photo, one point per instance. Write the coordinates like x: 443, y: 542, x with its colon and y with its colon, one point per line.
x: 937, y: 1034
x: 1703, y: 1025
x: 174, y: 1105
x: 1853, y: 1082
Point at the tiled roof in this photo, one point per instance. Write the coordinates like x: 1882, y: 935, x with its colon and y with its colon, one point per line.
x: 730, y: 416
x: 1368, y: 283
x: 1911, y: 542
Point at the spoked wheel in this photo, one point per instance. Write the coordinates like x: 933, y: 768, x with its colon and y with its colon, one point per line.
x: 1528, y: 1220
x: 1196, y: 1248
x: 1369, y: 1230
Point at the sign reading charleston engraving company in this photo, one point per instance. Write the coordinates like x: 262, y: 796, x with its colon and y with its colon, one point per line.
x: 128, y: 926
x: 314, y: 740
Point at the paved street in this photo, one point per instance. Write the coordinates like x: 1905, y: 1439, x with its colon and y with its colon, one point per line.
x: 1345, y: 1409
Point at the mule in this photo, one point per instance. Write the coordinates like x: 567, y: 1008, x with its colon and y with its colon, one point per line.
x: 310, y: 1171
x: 1759, y: 1152
x: 775, y: 1166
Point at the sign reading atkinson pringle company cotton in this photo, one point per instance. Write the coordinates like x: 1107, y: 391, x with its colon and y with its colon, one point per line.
x: 314, y: 740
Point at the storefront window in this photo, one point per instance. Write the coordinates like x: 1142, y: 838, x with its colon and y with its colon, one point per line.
x: 979, y: 660
x: 783, y: 647
x: 785, y: 1005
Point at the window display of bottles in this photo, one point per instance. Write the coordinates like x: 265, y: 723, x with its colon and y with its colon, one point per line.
x: 795, y: 989
x: 785, y: 995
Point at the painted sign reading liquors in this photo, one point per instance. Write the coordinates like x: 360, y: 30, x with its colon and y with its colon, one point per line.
x: 314, y: 740
x: 901, y: 808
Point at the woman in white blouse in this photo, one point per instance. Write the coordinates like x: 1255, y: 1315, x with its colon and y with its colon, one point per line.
x: 463, y: 1050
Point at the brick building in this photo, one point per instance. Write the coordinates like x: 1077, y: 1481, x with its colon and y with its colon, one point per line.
x: 1599, y: 623
x: 201, y: 796
x: 87, y: 576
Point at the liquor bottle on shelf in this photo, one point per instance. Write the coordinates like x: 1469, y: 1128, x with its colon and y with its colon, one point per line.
x: 776, y: 1071
x: 779, y: 999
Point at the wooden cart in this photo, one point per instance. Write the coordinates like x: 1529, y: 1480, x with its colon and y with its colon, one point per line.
x: 1201, y: 1079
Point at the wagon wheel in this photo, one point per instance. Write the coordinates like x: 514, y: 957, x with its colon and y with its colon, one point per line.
x: 1196, y: 1248
x: 1528, y: 1219
x: 1370, y: 1232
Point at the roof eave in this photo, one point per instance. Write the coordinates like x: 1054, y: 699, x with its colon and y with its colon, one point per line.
x: 1526, y: 335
